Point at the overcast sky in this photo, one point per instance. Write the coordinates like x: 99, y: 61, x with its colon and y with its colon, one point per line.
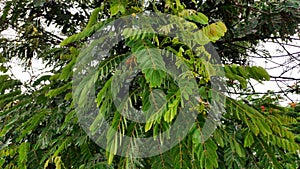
x: 274, y: 70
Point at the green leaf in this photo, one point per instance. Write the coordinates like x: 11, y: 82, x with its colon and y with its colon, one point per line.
x: 84, y: 34
x: 261, y: 72
x: 219, y: 139
x: 66, y: 72
x: 258, y: 73
x: 2, y: 161
x: 263, y: 127
x: 197, y: 137
x: 60, y: 90
x: 211, y: 156
x: 148, y: 125
x: 199, y: 18
x: 243, y: 72
x: 66, y: 142
x: 172, y: 111
x: 201, y: 38
x: 221, y: 28
x: 152, y: 65
x: 215, y: 31
x: 23, y: 151
x: 248, y: 140
x: 117, y: 6
x: 31, y: 123
x: 209, y: 68
x: 243, y: 82
x: 94, y: 16
x: 158, y: 105
x: 239, y: 150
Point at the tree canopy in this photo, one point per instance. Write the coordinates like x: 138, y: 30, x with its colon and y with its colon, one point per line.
x: 56, y: 120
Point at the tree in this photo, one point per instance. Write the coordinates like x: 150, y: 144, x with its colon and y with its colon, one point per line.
x: 40, y: 127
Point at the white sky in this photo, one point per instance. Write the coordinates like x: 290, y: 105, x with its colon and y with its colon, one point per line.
x: 277, y: 50
x: 17, y: 69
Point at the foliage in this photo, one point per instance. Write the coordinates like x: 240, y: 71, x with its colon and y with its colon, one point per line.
x: 39, y: 127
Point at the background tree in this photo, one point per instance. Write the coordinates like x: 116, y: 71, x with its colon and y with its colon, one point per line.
x: 39, y: 126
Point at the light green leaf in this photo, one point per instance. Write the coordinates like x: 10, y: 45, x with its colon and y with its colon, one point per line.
x: 199, y: 18
x: 23, y: 151
x: 239, y: 150
x: 117, y: 6
x: 248, y: 140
